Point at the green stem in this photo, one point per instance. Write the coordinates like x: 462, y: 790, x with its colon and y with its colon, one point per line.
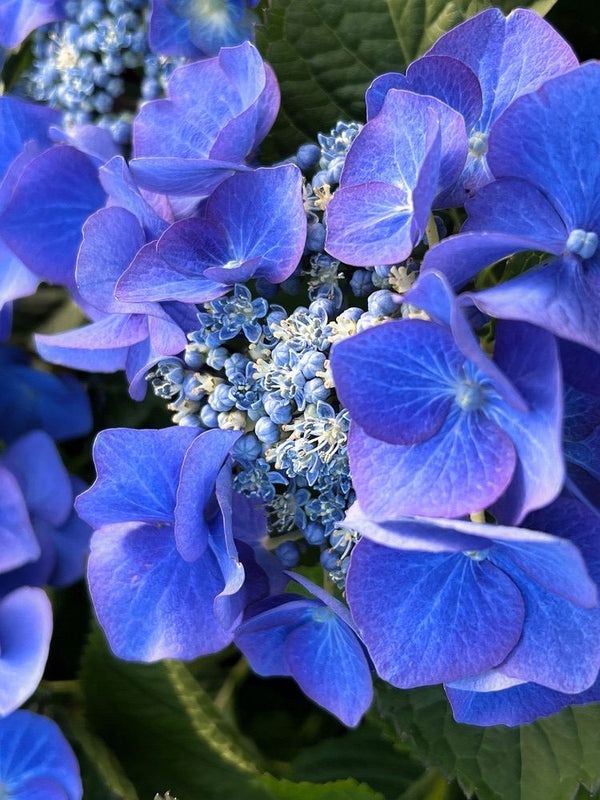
x: 236, y: 675
x: 431, y: 231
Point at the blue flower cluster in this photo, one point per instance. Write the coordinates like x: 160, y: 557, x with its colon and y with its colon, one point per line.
x: 337, y: 396
x: 89, y: 56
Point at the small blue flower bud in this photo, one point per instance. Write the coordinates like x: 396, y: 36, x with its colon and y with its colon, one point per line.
x: 209, y: 417
x: 307, y: 156
x: 314, y: 533
x: 221, y: 399
x: 383, y: 302
x: 288, y: 554
x: 266, y: 430
x: 329, y: 560
x: 361, y: 283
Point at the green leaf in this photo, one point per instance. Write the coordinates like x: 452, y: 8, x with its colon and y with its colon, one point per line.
x: 547, y: 760
x: 101, y: 773
x: 363, y: 753
x: 164, y: 729
x: 339, y: 790
x: 325, y: 54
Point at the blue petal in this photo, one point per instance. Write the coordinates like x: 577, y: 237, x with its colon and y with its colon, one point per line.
x: 464, y: 467
x: 397, y: 380
x: 25, y: 630
x: 22, y: 122
x: 18, y: 542
x: 328, y: 662
x: 99, y: 347
x: 430, y: 617
x: 201, y: 465
x: 510, y: 56
x: 528, y: 356
x: 560, y: 643
x: 138, y: 474
x: 56, y: 193
x: 19, y: 17
x: 262, y: 637
x: 35, y: 462
x: 151, y: 603
x: 560, y: 158
x: 57, y: 404
x: 560, y: 297
x: 172, y: 268
x: 32, y: 746
x: 518, y: 705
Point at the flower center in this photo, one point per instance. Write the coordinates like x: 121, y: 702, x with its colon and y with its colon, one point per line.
x: 478, y: 144
x: 582, y: 243
x: 469, y: 396
x: 322, y: 614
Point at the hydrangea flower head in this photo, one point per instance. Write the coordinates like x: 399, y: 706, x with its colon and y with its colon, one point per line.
x: 470, y: 597
x: 185, y: 147
x: 164, y: 572
x: 197, y: 28
x: 545, y: 197
x: 436, y: 427
x: 411, y: 151
x: 479, y: 68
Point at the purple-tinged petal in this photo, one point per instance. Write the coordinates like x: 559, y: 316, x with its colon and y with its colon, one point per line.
x: 150, y: 602
x: 182, y: 176
x: 95, y: 142
x: 56, y: 193
x: 32, y: 749
x: 171, y: 269
x: 36, y: 464
x: 529, y: 358
x: 326, y: 646
x: 138, y: 473
x: 510, y: 55
x: 414, y: 641
x: 16, y: 280
x: 398, y: 380
x: 560, y: 296
x: 99, y: 347
x: 433, y: 294
x: 237, y: 85
x: 411, y: 533
x: 111, y: 239
x: 370, y: 222
x: 25, y: 630
x: 390, y: 149
x: 169, y: 33
x: 122, y: 191
x: 19, y: 17
x: 560, y: 158
x: 263, y: 216
x: 18, y: 542
x: 373, y: 217
x: 464, y: 467
x: 201, y: 465
x: 515, y: 207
